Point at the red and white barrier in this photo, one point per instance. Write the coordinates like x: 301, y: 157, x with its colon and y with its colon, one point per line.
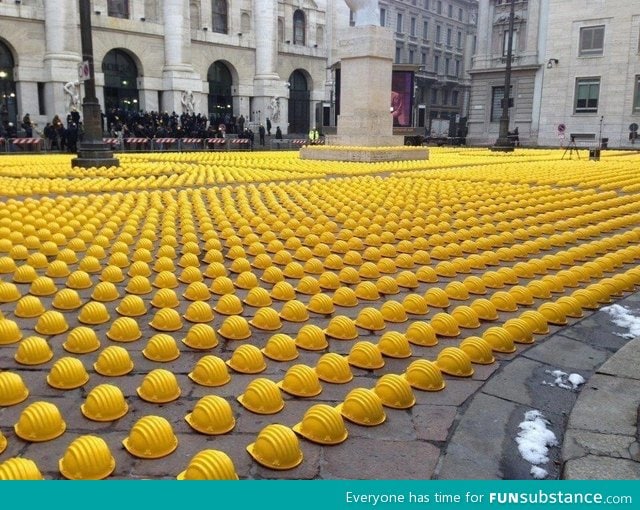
x: 27, y: 143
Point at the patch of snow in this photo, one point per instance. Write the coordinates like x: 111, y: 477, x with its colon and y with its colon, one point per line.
x: 563, y: 380
x: 534, y: 439
x: 538, y: 473
x: 623, y: 318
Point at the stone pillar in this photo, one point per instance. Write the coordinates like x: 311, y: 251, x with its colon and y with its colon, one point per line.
x: 62, y: 53
x: 484, y: 31
x: 267, y: 84
x: 178, y: 73
x: 365, y: 92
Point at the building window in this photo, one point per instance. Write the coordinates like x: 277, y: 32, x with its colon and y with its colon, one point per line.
x: 439, y: 7
x: 426, y: 4
x: 118, y: 9
x: 497, y: 95
x: 447, y: 66
x: 436, y: 64
x: 445, y: 97
x: 591, y: 41
x: 438, y: 33
x: 448, y: 37
x: 411, y: 56
x: 383, y: 17
x: 399, y: 23
x: 41, y: 100
x: 423, y: 58
x: 352, y: 19
x: 450, y: 11
x: 458, y: 68
x: 460, y: 14
x: 459, y: 40
x: 425, y: 30
x: 219, y: 16
x: 398, y: 54
x: 434, y: 96
x: 505, y: 42
x: 587, y: 93
x: 454, y: 98
x: 636, y: 96
x: 299, y: 27
x: 413, y: 27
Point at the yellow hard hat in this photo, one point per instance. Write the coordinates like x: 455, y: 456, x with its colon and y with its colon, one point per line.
x: 276, y: 447
x: 312, y: 338
x: 322, y: 424
x: 395, y: 392
x: 81, y: 340
x: 67, y: 373
x: 212, y: 415
x: 301, y: 381
x: 166, y: 319
x: 421, y: 333
x: 499, y: 339
x: 159, y: 387
x: 209, y: 465
x: 210, y: 371
x: 39, y: 422
x: 51, y: 322
x: 247, y: 359
x: 19, y: 468
x: 104, y: 403
x: 478, y: 350
x: 93, y: 313
x: 262, y: 396
x: 333, y: 368
x: 280, y: 347
x: 113, y: 361
x: 365, y: 355
x: 151, y: 437
x: 454, y: 361
x: 394, y: 344
x: 10, y: 332
x: 12, y: 389
x: 363, y: 407
x: 33, y: 350
x: 161, y: 348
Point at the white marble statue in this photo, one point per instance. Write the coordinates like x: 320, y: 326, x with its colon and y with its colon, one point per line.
x: 72, y: 95
x: 365, y: 12
x: 188, y: 102
x: 275, y: 108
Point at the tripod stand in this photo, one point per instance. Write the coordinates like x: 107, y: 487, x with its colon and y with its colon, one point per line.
x: 570, y: 149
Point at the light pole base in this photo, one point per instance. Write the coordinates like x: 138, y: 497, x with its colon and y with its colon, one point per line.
x: 94, y: 154
x: 502, y: 145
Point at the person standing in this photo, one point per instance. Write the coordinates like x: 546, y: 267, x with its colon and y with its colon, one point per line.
x: 261, y: 132
x: 27, y: 126
x: 268, y: 126
x: 241, y: 123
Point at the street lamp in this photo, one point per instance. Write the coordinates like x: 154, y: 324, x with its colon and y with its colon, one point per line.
x: 92, y: 151
x: 503, y: 143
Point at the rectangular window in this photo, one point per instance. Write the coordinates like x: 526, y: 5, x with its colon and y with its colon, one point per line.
x: 448, y: 37
x: 505, y: 43
x: 460, y: 14
x: 434, y: 96
x: 459, y: 40
x: 411, y: 56
x: 591, y: 41
x: 413, y: 27
x: 383, y: 17
x: 497, y: 95
x: 423, y: 58
x: 587, y: 93
x: 445, y: 97
x: 454, y: 97
x: 438, y: 33
x: 425, y: 30
x: 436, y: 64
x: 636, y: 96
x: 439, y: 7
x: 398, y: 54
x: 450, y: 11
x: 426, y: 4
x: 458, y: 68
x: 41, y: 101
x: 118, y: 8
x: 399, y: 23
x: 447, y: 66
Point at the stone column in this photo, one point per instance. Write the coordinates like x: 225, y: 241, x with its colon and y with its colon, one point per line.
x: 366, y: 52
x: 178, y: 73
x: 484, y: 31
x: 62, y: 53
x: 267, y: 84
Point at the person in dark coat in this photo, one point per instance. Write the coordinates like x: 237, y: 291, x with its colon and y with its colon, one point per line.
x: 278, y: 133
x: 261, y: 132
x: 268, y: 126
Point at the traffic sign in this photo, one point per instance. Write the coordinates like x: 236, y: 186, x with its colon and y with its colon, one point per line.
x: 561, y: 128
x: 84, y: 72
x: 633, y: 127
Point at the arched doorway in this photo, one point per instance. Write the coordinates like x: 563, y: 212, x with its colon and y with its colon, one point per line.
x: 120, y: 81
x: 299, y: 97
x: 8, y: 103
x: 220, y: 99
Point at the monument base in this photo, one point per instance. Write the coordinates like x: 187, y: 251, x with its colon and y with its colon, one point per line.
x: 364, y: 154
x: 94, y: 154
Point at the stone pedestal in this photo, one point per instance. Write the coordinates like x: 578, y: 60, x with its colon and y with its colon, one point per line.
x: 366, y: 56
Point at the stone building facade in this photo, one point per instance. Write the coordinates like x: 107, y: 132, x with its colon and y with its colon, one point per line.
x: 576, y: 66
x: 256, y: 58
